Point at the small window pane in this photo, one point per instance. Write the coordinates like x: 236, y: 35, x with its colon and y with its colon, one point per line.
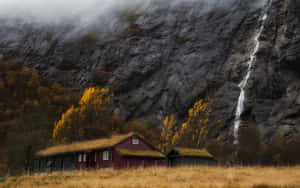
x: 84, y: 157
x: 79, y: 158
x: 135, y: 141
x: 105, y: 155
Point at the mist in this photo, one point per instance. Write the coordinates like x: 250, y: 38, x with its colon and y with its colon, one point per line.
x: 100, y: 14
x: 79, y: 11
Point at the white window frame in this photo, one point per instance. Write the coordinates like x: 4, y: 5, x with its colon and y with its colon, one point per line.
x: 135, y: 141
x: 80, y: 158
x: 84, y: 157
x: 105, y: 156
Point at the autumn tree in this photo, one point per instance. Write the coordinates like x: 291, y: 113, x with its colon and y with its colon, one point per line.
x: 167, y: 133
x: 91, y: 118
x: 191, y: 133
x: 194, y: 131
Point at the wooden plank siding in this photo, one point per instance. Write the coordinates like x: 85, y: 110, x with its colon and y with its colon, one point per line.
x: 190, y: 157
x: 136, y: 162
x: 124, y: 154
x: 190, y: 161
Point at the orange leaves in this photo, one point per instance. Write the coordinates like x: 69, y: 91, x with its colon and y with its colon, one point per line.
x: 184, y: 126
x: 96, y: 96
x: 80, y: 122
x: 167, y: 132
x: 200, y: 107
x: 193, y: 131
x: 169, y: 121
x: 65, y: 123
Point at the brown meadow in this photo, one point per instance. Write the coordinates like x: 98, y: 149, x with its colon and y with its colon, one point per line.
x: 186, y: 177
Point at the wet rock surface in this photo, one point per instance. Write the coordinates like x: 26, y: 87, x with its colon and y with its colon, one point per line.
x: 272, y: 95
x: 168, y: 58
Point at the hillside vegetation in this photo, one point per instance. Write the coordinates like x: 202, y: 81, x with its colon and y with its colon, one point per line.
x: 36, y: 113
x: 252, y: 177
x: 29, y: 106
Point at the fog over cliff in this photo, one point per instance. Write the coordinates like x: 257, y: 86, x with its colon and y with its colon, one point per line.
x: 94, y: 12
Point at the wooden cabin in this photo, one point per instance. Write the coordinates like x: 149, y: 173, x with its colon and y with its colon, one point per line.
x: 189, y: 157
x: 120, y: 151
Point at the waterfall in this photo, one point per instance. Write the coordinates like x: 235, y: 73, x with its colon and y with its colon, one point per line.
x: 244, y: 82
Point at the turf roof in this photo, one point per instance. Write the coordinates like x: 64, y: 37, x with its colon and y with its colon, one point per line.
x: 83, y: 146
x: 140, y: 153
x: 194, y: 152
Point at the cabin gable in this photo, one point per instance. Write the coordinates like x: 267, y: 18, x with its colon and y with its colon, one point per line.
x: 135, y: 142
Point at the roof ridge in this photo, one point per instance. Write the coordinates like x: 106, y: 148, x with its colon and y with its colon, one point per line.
x: 127, y: 135
x: 187, y: 151
x: 85, y: 145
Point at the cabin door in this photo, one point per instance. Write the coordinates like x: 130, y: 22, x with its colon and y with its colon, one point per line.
x: 90, y: 160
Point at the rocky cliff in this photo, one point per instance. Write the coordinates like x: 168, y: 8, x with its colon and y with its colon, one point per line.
x: 161, y: 61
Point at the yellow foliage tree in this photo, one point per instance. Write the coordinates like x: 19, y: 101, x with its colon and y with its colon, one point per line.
x: 63, y: 128
x: 91, y: 119
x: 191, y: 133
x: 194, y: 131
x: 96, y: 96
x: 167, y: 132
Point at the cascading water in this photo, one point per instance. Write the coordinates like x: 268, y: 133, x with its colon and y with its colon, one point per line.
x: 243, y: 84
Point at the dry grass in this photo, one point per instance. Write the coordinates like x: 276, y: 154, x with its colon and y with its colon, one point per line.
x: 210, y: 177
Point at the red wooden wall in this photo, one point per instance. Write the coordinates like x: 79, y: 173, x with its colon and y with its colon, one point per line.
x: 116, y: 160
x: 100, y: 163
x: 134, y: 162
x: 88, y: 163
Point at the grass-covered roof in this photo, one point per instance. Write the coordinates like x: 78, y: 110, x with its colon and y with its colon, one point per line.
x: 140, y: 153
x: 83, y: 146
x: 194, y: 152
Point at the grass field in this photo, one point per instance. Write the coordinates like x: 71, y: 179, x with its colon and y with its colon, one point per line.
x: 189, y: 177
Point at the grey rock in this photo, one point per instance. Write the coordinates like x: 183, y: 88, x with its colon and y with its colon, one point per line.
x: 169, y: 58
x: 298, y: 100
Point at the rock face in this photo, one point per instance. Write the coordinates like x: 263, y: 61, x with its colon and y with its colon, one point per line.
x: 275, y: 85
x: 166, y: 59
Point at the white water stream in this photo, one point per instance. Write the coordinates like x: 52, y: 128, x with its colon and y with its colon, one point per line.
x: 243, y: 84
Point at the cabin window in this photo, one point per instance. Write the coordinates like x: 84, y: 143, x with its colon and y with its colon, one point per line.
x: 79, y: 158
x: 105, y: 156
x: 95, y: 157
x: 84, y: 157
x: 135, y: 141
